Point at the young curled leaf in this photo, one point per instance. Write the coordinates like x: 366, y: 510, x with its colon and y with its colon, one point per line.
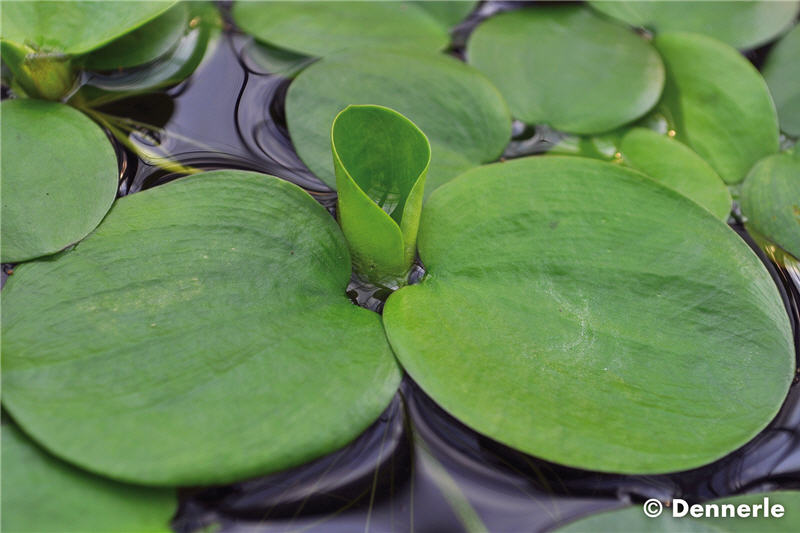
x: 380, y: 159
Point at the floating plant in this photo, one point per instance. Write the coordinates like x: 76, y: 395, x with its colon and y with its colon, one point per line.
x: 590, y: 312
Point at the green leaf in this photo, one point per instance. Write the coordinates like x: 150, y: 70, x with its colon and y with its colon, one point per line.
x: 190, y: 52
x: 39, y: 75
x: 561, y: 316
x: 461, y: 113
x: 567, y: 67
x: 381, y: 159
x: 782, y: 72
x: 322, y: 28
x: 770, y: 201
x: 718, y: 103
x: 633, y: 519
x: 675, y: 165
x: 742, y: 24
x: 59, y: 178
x: 74, y: 27
x: 447, y: 12
x: 39, y: 38
x: 200, y: 335
x: 143, y: 45
x: 42, y: 494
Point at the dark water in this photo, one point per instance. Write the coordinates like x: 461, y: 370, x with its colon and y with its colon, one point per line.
x: 416, y: 468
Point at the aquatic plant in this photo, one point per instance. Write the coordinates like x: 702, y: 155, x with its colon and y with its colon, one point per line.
x: 588, y: 306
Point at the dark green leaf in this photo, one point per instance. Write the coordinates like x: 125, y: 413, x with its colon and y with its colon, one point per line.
x: 447, y: 12
x: 143, y: 45
x: 59, y: 178
x: 42, y: 494
x: 381, y: 159
x: 567, y: 67
x: 782, y: 72
x: 462, y: 114
x: 718, y: 103
x: 200, y: 335
x: 564, y: 317
x: 322, y: 28
x: 771, y: 201
x: 743, y: 24
x: 75, y: 27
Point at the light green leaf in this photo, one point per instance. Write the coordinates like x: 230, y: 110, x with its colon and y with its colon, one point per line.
x: 782, y: 72
x: 462, y: 114
x: 567, y: 67
x: 143, y: 45
x: 633, y: 519
x: 742, y: 24
x: 75, y: 27
x: 59, y: 177
x: 323, y: 28
x: 675, y: 165
x: 718, y: 103
x: 605, y: 339
x: 200, y: 335
x: 770, y: 201
x: 381, y: 159
x: 42, y: 494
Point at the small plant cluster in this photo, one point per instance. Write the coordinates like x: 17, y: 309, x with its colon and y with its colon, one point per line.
x: 589, y: 306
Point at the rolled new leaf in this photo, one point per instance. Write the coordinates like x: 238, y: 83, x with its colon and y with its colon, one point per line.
x: 380, y: 159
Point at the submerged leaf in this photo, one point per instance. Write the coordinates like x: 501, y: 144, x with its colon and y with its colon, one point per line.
x: 782, y: 72
x: 381, y: 159
x: 567, y: 67
x: 675, y: 165
x: 633, y: 520
x: 743, y: 24
x: 59, y: 178
x: 323, y: 28
x: 718, y: 103
x: 461, y: 113
x: 200, y: 335
x: 563, y: 317
x: 143, y: 45
x: 771, y: 201
x: 42, y: 494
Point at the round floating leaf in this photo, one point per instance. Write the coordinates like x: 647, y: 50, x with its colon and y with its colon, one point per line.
x: 567, y: 67
x: 200, y: 335
x: 633, y: 519
x: 59, y: 178
x: 678, y: 167
x: 782, y: 72
x: 42, y: 494
x: 322, y: 28
x: 75, y: 27
x: 461, y: 113
x: 563, y: 317
x: 718, y: 103
x: 771, y: 200
x: 381, y: 159
x: 141, y: 46
x: 743, y: 24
